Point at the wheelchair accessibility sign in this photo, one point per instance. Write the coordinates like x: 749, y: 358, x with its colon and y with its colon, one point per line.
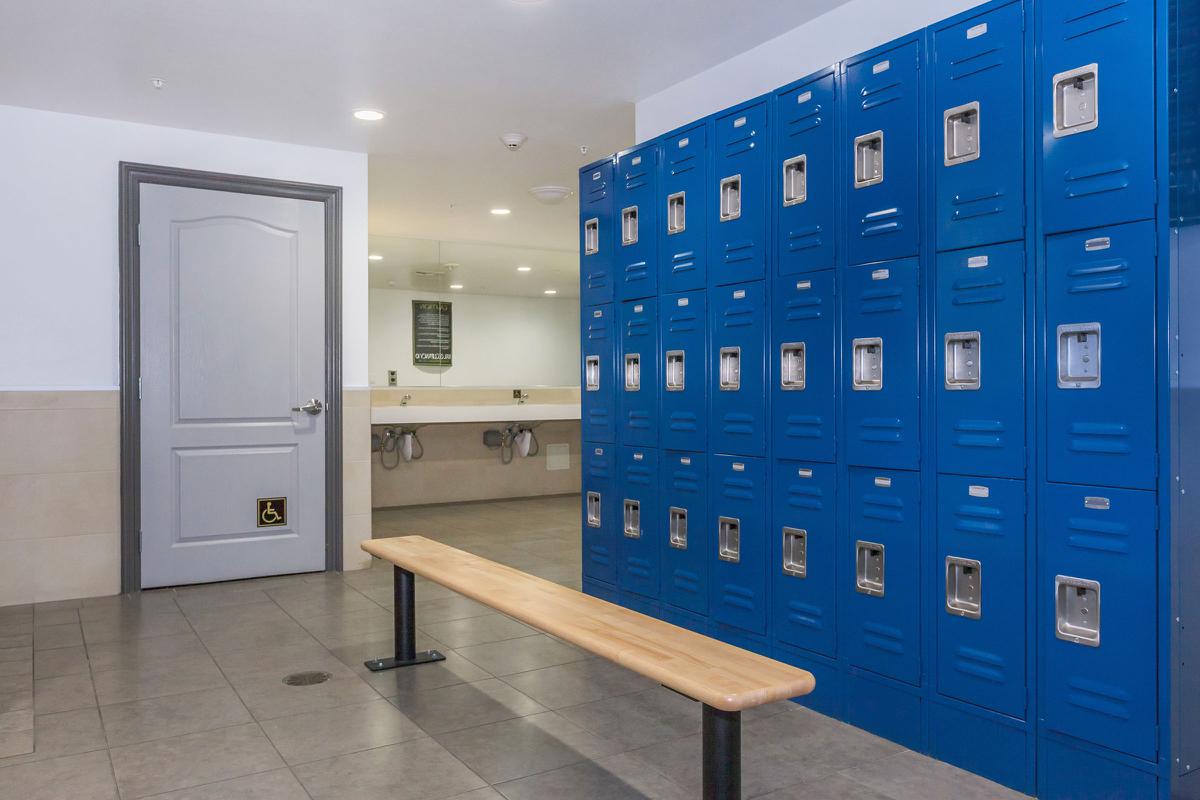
x: 272, y: 512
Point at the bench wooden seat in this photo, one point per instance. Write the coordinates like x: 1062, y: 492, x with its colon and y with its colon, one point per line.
x: 726, y: 679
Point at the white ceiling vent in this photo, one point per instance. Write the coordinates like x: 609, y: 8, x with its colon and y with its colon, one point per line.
x: 550, y: 195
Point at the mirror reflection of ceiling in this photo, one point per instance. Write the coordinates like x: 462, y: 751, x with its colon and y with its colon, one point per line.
x: 430, y: 265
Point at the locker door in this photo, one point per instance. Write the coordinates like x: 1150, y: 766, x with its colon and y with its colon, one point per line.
x: 1099, y: 644
x: 638, y: 370
x: 804, y: 556
x: 879, y: 622
x: 882, y: 125
x: 683, y: 205
x: 738, y: 369
x: 978, y: 79
x: 684, y: 370
x: 635, y: 219
x: 600, y: 511
x: 599, y: 375
x: 879, y: 381
x: 979, y: 361
x: 803, y: 362
x: 684, y: 513
x: 738, y: 491
x: 804, y: 164
x: 1100, y: 357
x: 739, y: 217
x: 596, y: 257
x: 1097, y: 112
x: 981, y: 569
x: 639, y: 523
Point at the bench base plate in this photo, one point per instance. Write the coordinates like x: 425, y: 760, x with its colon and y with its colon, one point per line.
x: 424, y: 657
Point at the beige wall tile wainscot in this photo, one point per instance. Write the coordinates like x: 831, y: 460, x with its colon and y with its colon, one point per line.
x: 356, y: 476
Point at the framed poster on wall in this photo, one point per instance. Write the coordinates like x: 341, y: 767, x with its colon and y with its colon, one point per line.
x: 432, y: 340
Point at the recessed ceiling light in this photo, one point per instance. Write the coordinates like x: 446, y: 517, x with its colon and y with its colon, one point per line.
x: 550, y: 195
x: 374, y: 257
x: 369, y: 114
x: 524, y: 269
x: 456, y: 286
x: 501, y: 212
x: 550, y: 291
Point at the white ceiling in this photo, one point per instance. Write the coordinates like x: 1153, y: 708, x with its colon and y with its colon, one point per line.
x: 452, y: 75
x: 432, y: 266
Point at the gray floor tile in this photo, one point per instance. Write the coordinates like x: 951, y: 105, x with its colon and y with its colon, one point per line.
x: 54, y: 616
x: 63, y: 661
x: 515, y: 748
x: 16, y: 701
x: 213, y: 618
x: 23, y: 667
x: 420, y: 769
x: 443, y: 609
x: 522, y: 655
x: 16, y: 683
x: 10, y: 641
x: 578, y: 682
x: 619, y: 777
x: 268, y: 697
x: 240, y: 665
x: 192, y: 760
x: 175, y: 715
x: 17, y: 653
x: 16, y: 743
x: 158, y: 679
x: 140, y: 627
x: 87, y: 776
x: 464, y: 705
x: 832, y: 787
x: 139, y: 652
x: 279, y: 784
x: 193, y: 600
x: 64, y: 693
x: 65, y: 733
x: 476, y: 630
x: 339, y: 731
x: 911, y: 776
x: 255, y: 635
x: 486, y: 793
x: 638, y: 720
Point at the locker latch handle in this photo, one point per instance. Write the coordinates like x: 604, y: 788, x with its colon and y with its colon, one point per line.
x: 868, y: 159
x: 795, y: 180
x: 677, y: 528
x: 731, y: 198
x: 795, y: 552
x: 629, y: 225
x: 867, y: 364
x: 633, y: 372
x: 593, y: 509
x: 792, y: 366
x: 869, y: 568
x: 591, y: 369
x: 964, y: 587
x: 591, y: 237
x: 729, y: 539
x: 1079, y: 356
x: 633, y: 519
x: 730, y: 369
x: 963, y: 354
x: 1077, y: 610
x: 675, y: 371
x: 1077, y: 100
x: 676, y: 213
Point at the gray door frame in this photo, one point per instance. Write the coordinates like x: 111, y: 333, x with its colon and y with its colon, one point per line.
x: 132, y: 177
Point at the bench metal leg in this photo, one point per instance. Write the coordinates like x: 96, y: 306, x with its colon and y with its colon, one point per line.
x: 722, y: 754
x: 406, y: 654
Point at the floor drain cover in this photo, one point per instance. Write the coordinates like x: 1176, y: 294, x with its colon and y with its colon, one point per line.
x: 307, y: 678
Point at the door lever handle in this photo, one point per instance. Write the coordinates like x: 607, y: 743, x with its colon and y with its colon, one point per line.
x: 312, y: 407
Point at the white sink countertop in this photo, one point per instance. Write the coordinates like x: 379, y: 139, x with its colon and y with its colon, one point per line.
x: 430, y: 415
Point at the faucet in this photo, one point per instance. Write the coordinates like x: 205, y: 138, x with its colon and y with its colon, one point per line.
x: 404, y: 400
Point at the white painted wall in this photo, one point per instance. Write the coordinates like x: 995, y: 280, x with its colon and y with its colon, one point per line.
x: 497, y: 340
x: 845, y: 31
x: 58, y: 235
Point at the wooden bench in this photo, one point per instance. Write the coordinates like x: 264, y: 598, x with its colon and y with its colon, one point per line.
x: 726, y: 679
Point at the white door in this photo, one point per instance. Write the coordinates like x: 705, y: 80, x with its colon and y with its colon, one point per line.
x: 232, y: 339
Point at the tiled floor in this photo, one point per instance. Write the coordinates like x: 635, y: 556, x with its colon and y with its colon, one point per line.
x: 179, y: 694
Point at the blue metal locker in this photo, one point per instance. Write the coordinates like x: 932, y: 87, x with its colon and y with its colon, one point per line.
x: 636, y: 220
x: 739, y: 500
x: 639, y: 522
x: 738, y: 369
x: 805, y: 165
x: 880, y: 327
x: 1100, y: 345
x: 1097, y: 82
x: 739, y: 219
x: 981, y: 568
x: 978, y: 84
x: 804, y: 556
x: 883, y: 148
x: 1098, y: 664
x: 804, y: 366
x: 683, y: 320
x: 683, y: 201
x: 600, y: 510
x: 638, y: 370
x: 599, y: 396
x: 879, y: 620
x: 979, y: 358
x: 596, y: 258
x: 684, y: 513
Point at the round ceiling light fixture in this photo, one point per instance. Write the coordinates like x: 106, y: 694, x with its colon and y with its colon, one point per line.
x: 550, y: 291
x: 550, y: 195
x: 456, y: 286
x: 369, y: 114
x: 501, y: 212
x: 524, y: 269
x: 374, y: 257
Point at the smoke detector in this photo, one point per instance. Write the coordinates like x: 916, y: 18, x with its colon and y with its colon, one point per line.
x: 550, y: 195
x: 513, y: 141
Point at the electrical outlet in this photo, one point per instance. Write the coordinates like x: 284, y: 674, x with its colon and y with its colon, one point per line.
x: 517, y: 394
x: 393, y: 378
